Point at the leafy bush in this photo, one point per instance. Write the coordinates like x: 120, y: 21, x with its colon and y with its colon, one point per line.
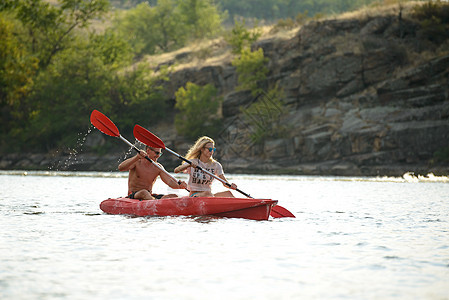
x: 198, y: 110
x: 241, y: 38
x: 301, y: 18
x: 432, y: 9
x: 251, y: 68
x: 434, y: 20
x: 262, y: 116
x: 283, y: 24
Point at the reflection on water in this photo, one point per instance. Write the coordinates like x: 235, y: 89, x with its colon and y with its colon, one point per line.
x: 353, y: 238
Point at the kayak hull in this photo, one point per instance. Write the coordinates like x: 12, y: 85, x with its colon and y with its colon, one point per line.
x: 247, y: 208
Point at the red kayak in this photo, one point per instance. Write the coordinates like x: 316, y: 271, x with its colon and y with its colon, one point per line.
x: 247, y: 208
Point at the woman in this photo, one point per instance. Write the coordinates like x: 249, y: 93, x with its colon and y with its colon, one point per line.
x: 200, y: 154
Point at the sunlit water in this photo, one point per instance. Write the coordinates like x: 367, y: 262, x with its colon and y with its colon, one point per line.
x: 353, y: 238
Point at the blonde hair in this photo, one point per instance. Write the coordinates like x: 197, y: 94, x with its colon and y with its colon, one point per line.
x: 195, y: 150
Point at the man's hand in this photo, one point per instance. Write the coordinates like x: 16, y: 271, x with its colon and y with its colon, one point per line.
x: 182, y: 184
x: 142, y: 153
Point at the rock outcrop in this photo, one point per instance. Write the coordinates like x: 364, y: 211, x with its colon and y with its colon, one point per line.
x: 361, y: 101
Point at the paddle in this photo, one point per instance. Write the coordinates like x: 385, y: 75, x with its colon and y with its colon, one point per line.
x: 105, y: 125
x: 152, y: 140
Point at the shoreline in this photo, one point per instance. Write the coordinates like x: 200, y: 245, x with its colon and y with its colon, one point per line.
x: 109, y: 163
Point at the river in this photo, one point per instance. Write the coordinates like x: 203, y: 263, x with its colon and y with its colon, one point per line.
x: 352, y: 238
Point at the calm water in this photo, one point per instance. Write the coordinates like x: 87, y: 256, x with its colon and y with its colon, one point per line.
x: 353, y: 238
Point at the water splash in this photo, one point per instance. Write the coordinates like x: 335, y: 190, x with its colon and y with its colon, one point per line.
x: 73, y: 158
x: 129, y: 152
x: 412, y: 178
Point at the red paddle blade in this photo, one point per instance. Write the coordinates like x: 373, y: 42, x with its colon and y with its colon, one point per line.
x: 281, y: 212
x: 275, y: 214
x: 103, y: 123
x: 147, y: 137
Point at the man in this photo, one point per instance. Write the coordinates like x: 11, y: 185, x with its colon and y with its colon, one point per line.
x: 143, y: 175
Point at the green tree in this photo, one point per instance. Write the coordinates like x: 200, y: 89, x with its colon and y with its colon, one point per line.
x: 169, y: 25
x: 17, y: 71
x: 149, y: 29
x: 90, y: 75
x: 112, y: 50
x: 198, y: 110
x: 63, y: 96
x: 78, y: 80
x: 38, y: 33
x: 51, y: 27
x: 201, y: 17
x: 251, y: 68
x: 240, y: 38
x: 137, y: 96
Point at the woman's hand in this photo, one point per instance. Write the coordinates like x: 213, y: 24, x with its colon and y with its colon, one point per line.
x: 232, y: 186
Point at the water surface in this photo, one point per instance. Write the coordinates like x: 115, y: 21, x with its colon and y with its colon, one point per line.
x: 353, y: 238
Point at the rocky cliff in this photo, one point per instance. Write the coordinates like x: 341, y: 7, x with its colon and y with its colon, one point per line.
x: 365, y: 95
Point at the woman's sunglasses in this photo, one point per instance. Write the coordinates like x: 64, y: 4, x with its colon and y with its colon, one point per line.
x: 211, y: 149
